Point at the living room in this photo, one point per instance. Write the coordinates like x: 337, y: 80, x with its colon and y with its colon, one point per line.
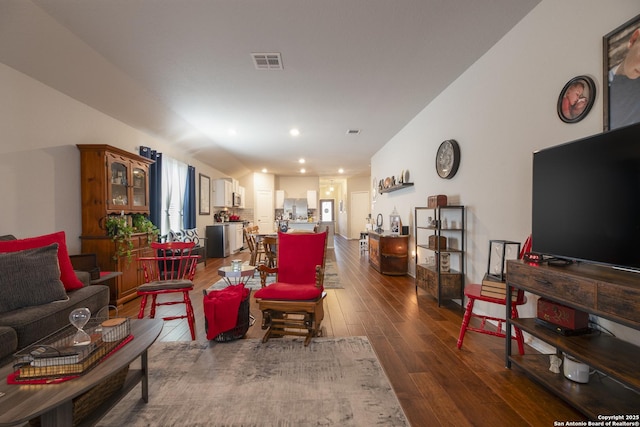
x: 500, y: 111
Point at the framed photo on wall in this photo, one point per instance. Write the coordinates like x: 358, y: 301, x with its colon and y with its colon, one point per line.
x: 621, y: 75
x: 576, y: 99
x: 205, y: 193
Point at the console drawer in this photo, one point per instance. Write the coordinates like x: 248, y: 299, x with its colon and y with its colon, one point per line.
x: 574, y: 290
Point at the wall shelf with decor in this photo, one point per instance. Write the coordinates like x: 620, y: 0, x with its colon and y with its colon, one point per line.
x: 602, y: 291
x: 439, y: 247
x: 396, y: 187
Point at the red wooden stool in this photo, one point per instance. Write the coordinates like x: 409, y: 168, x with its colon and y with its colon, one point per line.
x: 472, y: 292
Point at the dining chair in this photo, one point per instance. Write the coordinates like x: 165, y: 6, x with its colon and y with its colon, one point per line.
x: 270, y: 244
x: 170, y: 271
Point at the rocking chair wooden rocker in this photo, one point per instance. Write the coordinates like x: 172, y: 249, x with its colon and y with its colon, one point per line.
x: 293, y: 305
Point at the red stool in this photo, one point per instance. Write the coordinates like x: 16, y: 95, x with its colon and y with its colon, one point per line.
x: 472, y: 292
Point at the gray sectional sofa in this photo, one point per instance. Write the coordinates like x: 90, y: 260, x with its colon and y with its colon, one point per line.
x: 25, y: 325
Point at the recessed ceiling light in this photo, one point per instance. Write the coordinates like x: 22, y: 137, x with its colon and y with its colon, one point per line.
x: 301, y: 161
x: 264, y: 170
x: 232, y: 132
x: 294, y: 132
x: 303, y: 170
x: 340, y: 170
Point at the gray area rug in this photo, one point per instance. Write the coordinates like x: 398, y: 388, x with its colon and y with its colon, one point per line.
x: 331, y: 279
x: 333, y: 382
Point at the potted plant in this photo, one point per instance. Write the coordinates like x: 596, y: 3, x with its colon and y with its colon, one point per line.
x: 142, y: 224
x: 120, y: 231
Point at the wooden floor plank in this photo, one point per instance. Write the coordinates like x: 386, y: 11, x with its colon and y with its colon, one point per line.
x: 415, y: 340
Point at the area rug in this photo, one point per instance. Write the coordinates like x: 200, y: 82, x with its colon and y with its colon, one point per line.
x: 331, y: 278
x: 332, y: 382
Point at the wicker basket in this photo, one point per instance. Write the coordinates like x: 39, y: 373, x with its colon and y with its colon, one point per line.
x: 245, y: 320
x: 86, y: 403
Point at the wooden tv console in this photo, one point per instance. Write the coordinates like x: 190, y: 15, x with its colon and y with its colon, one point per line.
x: 604, y: 292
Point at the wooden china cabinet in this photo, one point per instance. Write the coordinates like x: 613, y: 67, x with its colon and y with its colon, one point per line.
x: 114, y: 182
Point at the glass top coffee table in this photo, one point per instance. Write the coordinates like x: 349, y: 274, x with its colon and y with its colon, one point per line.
x: 235, y: 276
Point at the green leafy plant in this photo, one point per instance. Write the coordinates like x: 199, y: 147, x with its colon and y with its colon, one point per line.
x: 142, y: 224
x: 120, y: 231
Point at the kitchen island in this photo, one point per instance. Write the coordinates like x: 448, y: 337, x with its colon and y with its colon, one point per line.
x: 302, y: 226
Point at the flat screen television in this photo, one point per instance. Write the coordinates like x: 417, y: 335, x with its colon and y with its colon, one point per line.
x: 586, y: 199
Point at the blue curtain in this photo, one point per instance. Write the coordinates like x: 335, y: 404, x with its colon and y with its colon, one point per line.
x: 189, y: 207
x: 155, y: 184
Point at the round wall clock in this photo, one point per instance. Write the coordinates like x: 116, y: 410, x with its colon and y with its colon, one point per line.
x: 448, y: 159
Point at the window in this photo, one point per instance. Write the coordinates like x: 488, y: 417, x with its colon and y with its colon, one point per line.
x: 174, y: 183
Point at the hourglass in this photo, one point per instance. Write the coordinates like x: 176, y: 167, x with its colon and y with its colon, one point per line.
x: 79, y: 318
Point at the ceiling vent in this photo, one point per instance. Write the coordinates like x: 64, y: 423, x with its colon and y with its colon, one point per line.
x: 353, y: 132
x: 267, y: 61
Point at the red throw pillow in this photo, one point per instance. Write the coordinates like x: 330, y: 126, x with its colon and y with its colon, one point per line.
x: 67, y: 275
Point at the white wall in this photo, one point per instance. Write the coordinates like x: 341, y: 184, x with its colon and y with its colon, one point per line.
x: 501, y: 110
x: 39, y: 161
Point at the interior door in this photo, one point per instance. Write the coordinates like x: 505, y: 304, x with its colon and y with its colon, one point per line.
x: 264, y: 211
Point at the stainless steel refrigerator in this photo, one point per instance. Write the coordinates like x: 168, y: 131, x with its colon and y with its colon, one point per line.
x: 218, y: 241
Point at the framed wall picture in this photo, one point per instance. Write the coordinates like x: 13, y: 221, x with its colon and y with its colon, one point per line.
x: 576, y: 99
x: 621, y: 72
x: 205, y: 193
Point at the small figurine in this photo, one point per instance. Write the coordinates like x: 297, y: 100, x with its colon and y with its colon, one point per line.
x: 555, y: 363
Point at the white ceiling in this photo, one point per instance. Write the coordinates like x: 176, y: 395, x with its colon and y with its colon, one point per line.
x: 182, y: 70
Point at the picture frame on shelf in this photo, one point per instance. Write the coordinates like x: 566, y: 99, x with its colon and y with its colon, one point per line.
x: 576, y: 99
x: 205, y: 195
x: 621, y: 87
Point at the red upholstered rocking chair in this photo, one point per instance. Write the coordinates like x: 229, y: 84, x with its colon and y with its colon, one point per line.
x: 293, y: 305
x: 171, y: 271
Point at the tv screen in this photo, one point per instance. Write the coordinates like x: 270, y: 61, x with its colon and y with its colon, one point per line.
x: 586, y: 199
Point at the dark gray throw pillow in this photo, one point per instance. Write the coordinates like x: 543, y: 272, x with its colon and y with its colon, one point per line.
x: 30, y: 277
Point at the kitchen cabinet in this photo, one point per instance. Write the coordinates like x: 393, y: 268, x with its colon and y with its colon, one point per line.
x: 223, y: 193
x: 280, y: 199
x: 439, y: 235
x: 235, y: 236
x: 238, y: 241
x: 597, y: 290
x: 113, y: 181
x: 312, y: 199
x: 242, y: 197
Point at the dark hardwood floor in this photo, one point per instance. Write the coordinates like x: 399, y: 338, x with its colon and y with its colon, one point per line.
x: 415, y: 341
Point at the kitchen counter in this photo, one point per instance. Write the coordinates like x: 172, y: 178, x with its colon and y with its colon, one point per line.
x: 302, y: 225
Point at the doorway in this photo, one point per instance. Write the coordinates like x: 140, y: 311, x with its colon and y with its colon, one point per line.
x: 327, y: 219
x: 327, y: 212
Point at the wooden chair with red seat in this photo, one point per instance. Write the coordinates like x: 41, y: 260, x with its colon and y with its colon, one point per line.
x: 170, y: 271
x: 293, y: 305
x: 473, y: 292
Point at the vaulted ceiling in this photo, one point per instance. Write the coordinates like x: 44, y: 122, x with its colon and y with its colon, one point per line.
x: 183, y: 71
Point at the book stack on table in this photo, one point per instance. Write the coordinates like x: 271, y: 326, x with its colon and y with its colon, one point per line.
x: 494, y: 288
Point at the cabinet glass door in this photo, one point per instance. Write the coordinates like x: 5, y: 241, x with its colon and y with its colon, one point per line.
x: 139, y: 187
x: 118, y: 181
